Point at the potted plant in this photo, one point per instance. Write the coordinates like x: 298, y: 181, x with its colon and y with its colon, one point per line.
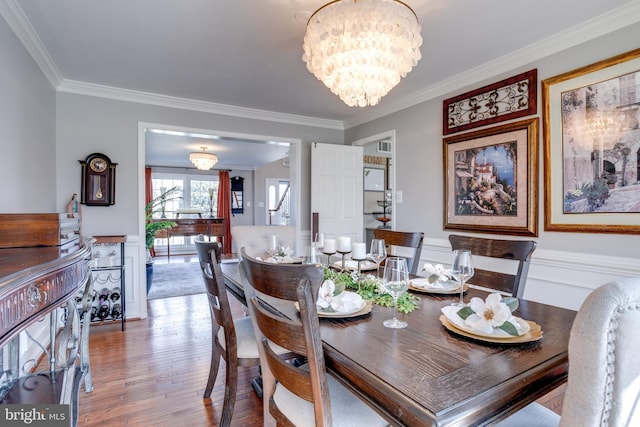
x: 153, y: 227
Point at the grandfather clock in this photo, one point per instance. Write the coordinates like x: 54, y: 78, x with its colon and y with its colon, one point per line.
x: 98, y: 180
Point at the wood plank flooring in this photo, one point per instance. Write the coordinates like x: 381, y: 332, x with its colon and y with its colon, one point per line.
x: 154, y: 373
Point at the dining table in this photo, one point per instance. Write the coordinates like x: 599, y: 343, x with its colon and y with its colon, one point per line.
x: 431, y: 375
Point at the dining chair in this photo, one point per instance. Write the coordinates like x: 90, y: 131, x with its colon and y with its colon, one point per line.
x: 517, y: 250
x: 411, y: 240
x: 232, y: 340
x: 298, y: 395
x: 603, y: 387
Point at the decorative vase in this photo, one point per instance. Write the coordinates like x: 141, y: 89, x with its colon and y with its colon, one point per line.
x: 149, y: 276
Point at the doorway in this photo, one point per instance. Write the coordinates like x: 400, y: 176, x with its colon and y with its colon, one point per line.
x: 379, y: 199
x: 264, y: 140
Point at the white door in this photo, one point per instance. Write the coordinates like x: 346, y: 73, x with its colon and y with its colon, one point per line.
x: 336, y: 190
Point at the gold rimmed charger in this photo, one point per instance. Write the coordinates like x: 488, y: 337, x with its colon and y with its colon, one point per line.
x: 366, y: 308
x: 441, y: 291
x: 533, y: 334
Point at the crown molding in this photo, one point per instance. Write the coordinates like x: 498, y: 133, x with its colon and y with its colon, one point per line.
x: 129, y: 95
x: 20, y: 25
x: 606, y: 23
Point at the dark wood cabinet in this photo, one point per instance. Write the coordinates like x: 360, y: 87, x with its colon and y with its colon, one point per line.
x: 212, y: 227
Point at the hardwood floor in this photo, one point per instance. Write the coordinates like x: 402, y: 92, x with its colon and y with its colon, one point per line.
x: 154, y: 373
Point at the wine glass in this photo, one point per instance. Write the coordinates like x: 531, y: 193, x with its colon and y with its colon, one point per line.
x: 378, y: 253
x: 395, y: 280
x: 461, y: 270
x: 312, y: 256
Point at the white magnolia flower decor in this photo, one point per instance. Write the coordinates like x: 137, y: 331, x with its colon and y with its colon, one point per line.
x: 437, y: 273
x: 494, y: 312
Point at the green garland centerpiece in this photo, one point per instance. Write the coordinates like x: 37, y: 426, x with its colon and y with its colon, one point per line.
x: 370, y: 288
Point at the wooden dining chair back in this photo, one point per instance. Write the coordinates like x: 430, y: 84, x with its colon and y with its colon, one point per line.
x: 294, y: 394
x: 603, y: 388
x: 406, y: 239
x: 232, y: 340
x: 517, y: 250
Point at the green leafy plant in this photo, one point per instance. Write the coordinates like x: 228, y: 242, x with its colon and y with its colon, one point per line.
x: 152, y: 228
x: 370, y: 288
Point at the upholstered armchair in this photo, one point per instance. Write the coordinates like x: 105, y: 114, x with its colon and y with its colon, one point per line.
x: 257, y: 238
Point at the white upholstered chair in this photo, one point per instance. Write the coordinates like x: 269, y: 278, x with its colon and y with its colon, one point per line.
x: 604, y: 373
x: 256, y: 238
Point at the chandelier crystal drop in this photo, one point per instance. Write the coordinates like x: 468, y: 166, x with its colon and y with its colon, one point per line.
x: 360, y: 49
x: 203, y: 160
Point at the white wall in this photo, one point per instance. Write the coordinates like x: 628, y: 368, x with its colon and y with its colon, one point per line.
x: 27, y: 120
x: 87, y: 124
x: 565, y: 266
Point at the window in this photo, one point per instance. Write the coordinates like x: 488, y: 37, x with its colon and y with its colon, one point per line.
x: 278, y: 210
x: 193, y: 192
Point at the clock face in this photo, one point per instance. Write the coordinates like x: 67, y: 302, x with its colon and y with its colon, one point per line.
x: 98, y: 164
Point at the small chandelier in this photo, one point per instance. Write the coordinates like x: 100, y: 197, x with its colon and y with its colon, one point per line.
x: 360, y: 49
x: 203, y: 161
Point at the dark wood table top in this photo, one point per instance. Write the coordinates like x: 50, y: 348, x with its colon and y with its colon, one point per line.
x: 424, y: 375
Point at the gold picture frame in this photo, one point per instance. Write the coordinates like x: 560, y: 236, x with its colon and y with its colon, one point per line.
x: 490, y: 180
x: 591, y: 143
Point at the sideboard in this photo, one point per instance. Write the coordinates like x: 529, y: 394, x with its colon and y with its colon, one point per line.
x: 212, y: 227
x: 36, y: 282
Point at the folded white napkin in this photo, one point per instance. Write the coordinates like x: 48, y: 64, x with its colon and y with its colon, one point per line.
x: 325, y: 294
x: 344, y: 302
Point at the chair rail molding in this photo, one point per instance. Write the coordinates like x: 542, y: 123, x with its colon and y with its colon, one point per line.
x: 559, y: 278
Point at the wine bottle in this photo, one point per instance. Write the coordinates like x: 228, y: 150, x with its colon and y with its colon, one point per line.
x: 104, y: 295
x: 116, y: 311
x: 115, y: 294
x: 104, y: 310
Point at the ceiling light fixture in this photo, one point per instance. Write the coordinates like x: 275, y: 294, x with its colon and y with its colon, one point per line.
x: 360, y: 49
x: 203, y: 161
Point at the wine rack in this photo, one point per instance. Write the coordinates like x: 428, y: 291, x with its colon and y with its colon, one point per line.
x: 107, y: 297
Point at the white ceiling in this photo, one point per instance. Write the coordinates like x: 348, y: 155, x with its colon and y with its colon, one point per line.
x: 245, y: 55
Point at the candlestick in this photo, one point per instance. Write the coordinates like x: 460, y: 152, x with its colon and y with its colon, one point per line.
x: 344, y: 254
x: 344, y: 244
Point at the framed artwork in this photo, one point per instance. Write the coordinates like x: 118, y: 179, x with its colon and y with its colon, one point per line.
x: 490, y: 180
x: 508, y: 99
x: 592, y: 147
x: 373, y: 179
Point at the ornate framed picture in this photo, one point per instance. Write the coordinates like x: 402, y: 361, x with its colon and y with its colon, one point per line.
x: 592, y: 147
x: 508, y: 99
x: 490, y: 180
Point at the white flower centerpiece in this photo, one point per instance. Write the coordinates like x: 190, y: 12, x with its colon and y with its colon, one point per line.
x: 494, y: 312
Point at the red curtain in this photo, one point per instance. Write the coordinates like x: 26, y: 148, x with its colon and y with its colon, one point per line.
x: 224, y: 208
x: 148, y: 194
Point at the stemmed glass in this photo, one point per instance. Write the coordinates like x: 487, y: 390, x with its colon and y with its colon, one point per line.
x: 461, y: 270
x: 378, y: 253
x: 395, y: 280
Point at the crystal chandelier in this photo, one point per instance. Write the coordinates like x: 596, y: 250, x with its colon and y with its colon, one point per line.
x: 203, y: 161
x: 360, y: 49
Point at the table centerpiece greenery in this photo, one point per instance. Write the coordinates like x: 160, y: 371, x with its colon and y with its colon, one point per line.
x: 370, y: 288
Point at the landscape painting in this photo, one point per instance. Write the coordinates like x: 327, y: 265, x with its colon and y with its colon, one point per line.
x: 488, y: 179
